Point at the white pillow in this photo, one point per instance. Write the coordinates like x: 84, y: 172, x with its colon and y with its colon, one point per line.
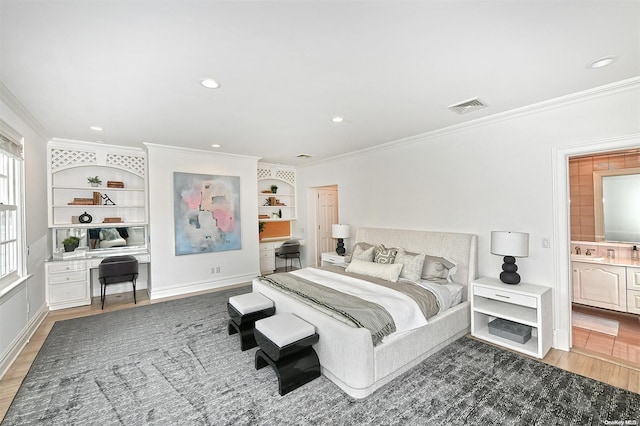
x: 412, y: 269
x: 385, y: 271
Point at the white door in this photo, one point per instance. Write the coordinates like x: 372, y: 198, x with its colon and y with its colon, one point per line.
x: 326, y: 215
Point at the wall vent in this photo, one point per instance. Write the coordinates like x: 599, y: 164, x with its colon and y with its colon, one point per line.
x: 468, y: 106
x: 304, y: 156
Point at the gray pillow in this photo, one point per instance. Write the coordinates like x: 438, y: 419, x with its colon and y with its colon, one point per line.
x: 385, y: 255
x: 438, y: 268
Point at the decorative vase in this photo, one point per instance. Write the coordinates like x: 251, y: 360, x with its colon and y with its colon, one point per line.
x: 95, y: 184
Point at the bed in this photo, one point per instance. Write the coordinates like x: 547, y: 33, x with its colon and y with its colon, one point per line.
x: 359, y: 367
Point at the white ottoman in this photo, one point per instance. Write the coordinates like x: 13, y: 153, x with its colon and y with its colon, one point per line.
x: 244, y: 310
x: 286, y: 345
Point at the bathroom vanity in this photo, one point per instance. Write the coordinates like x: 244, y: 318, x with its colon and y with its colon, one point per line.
x: 606, y: 283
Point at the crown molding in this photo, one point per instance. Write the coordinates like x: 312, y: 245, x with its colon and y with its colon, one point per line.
x: 605, y: 90
x: 7, y: 97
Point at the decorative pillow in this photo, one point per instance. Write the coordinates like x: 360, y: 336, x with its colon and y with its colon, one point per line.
x: 109, y: 234
x: 412, y: 264
x: 389, y: 272
x: 436, y: 268
x: 384, y: 255
x: 363, y: 251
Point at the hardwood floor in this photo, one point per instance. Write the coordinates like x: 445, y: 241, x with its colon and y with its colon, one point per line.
x: 586, y: 364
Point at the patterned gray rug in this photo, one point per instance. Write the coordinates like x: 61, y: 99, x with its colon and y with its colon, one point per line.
x: 173, y: 363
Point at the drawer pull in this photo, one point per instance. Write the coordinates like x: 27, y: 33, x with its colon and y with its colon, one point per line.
x: 503, y: 296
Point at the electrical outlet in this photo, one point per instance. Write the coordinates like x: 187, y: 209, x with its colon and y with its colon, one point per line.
x: 217, y: 269
x: 545, y: 243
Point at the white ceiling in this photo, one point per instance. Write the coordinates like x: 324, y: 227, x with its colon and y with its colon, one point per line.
x: 390, y: 68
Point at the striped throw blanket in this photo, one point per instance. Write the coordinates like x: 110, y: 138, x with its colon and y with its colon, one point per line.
x: 362, y: 313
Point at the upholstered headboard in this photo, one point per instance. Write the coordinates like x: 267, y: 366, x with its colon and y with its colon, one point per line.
x: 463, y: 248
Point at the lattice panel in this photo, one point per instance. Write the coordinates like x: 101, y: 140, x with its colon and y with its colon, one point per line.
x: 288, y: 176
x: 64, y: 158
x: 127, y: 162
x: 264, y: 173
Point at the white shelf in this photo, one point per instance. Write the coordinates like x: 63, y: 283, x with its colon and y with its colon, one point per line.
x: 96, y: 188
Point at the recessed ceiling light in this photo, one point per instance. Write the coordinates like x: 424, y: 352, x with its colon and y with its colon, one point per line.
x: 216, y: 145
x: 603, y: 62
x: 96, y: 128
x: 337, y: 119
x: 209, y: 83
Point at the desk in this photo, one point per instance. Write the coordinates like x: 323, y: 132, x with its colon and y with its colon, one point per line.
x: 69, y: 281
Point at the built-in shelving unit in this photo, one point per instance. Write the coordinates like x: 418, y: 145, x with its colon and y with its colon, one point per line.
x: 72, y: 162
x: 280, y: 205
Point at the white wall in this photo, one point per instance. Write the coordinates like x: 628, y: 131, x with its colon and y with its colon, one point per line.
x: 170, y: 274
x: 494, y: 174
x: 32, y: 311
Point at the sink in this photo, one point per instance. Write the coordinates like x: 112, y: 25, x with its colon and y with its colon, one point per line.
x: 587, y: 258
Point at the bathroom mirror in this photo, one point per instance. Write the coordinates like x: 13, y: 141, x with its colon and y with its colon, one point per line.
x: 103, y: 239
x: 617, y: 205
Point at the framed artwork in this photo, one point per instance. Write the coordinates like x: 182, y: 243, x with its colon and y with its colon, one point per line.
x: 206, y: 213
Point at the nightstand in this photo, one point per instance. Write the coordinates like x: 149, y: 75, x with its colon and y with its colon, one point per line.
x: 526, y: 304
x: 335, y: 259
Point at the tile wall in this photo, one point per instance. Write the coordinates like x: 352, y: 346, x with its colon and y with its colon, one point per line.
x: 581, y: 187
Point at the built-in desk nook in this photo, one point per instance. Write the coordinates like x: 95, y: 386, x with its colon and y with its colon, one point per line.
x: 97, y: 198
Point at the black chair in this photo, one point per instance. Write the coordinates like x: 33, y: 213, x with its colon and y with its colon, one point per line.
x: 117, y: 269
x: 289, y: 250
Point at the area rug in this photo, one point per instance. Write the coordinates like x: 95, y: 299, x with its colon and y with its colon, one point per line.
x: 594, y: 323
x: 173, y: 363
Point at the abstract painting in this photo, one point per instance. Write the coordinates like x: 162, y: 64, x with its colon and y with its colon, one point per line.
x: 206, y: 213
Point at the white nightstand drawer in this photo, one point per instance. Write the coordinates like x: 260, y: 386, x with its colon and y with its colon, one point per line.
x: 505, y: 296
x: 333, y: 258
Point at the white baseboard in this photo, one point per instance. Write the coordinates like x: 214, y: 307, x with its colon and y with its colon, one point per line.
x: 22, y: 339
x: 194, y: 287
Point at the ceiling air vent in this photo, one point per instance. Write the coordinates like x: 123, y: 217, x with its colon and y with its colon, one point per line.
x: 304, y: 156
x: 468, y: 106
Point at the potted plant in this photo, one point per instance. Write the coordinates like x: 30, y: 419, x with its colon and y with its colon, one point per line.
x: 94, y: 181
x: 274, y: 189
x: 71, y: 243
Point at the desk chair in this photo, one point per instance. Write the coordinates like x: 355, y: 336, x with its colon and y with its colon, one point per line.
x: 117, y: 269
x: 290, y: 250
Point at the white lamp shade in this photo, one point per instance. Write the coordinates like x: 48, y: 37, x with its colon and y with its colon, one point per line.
x: 340, y: 231
x: 506, y: 243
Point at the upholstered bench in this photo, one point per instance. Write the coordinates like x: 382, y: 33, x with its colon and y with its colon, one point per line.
x: 244, y: 310
x: 285, y: 344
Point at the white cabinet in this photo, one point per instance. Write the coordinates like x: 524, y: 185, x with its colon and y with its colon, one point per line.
x: 526, y: 304
x: 70, y: 195
x: 599, y: 285
x: 279, y: 205
x: 633, y: 290
x: 267, y: 258
x: 68, y: 284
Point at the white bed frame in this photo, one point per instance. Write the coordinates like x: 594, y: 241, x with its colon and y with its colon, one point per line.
x: 347, y: 355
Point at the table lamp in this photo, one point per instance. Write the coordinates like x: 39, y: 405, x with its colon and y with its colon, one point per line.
x: 510, y: 245
x: 340, y: 232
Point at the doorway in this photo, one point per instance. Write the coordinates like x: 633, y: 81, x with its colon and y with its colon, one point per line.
x: 562, y: 291
x: 326, y: 214
x: 601, y: 326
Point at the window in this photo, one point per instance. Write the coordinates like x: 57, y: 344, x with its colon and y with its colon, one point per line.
x: 12, y: 244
